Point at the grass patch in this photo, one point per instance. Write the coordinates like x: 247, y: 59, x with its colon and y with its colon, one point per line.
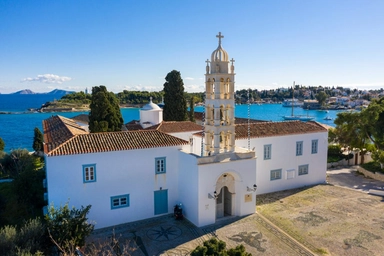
x: 321, y: 251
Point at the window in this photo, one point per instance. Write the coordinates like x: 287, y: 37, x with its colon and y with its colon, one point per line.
x: 291, y: 174
x: 299, y: 148
x: 267, y: 151
x: 89, y: 173
x: 160, y: 165
x: 276, y: 174
x: 119, y: 201
x: 314, y: 146
x: 303, y: 169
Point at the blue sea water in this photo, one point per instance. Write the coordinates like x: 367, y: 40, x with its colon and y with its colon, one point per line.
x: 16, y: 127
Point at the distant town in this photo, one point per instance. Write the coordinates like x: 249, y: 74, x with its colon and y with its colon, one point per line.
x: 307, y: 97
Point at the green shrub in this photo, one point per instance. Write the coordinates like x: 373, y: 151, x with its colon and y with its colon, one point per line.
x: 372, y: 167
x: 218, y: 247
x: 8, y: 238
x: 30, y: 240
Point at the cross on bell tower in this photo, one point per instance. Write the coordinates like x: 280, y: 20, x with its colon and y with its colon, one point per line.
x: 219, y: 36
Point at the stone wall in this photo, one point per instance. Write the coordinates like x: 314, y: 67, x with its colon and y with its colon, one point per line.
x: 376, y: 175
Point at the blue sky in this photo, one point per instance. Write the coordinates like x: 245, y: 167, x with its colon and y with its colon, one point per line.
x: 132, y: 45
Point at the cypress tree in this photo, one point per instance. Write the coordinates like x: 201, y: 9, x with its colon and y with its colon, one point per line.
x: 105, y: 115
x: 192, y: 109
x: 37, y: 140
x: 175, y: 105
x: 2, y: 144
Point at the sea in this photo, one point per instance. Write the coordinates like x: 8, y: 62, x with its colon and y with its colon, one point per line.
x: 17, y: 123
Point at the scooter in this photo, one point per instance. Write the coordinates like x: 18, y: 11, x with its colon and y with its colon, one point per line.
x: 178, y: 212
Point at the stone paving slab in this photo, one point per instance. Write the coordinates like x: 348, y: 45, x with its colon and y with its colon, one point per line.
x: 167, y: 236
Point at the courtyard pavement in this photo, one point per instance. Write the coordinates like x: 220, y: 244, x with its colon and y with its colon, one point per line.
x: 348, y: 177
x: 166, y: 236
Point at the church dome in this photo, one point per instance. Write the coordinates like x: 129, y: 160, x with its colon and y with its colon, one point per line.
x: 150, y: 106
x: 219, y: 54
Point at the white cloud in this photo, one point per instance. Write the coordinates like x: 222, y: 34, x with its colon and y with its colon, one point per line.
x: 194, y: 88
x: 140, y: 87
x: 188, y: 78
x: 362, y: 86
x: 48, y: 78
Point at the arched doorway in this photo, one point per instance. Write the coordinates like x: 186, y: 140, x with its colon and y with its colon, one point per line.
x: 224, y: 203
x: 225, y: 188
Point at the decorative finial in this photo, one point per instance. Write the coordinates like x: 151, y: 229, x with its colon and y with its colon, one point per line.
x: 219, y: 36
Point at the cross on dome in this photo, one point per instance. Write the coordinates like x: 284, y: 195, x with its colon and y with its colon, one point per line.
x: 219, y: 36
x: 232, y: 60
x: 207, y: 61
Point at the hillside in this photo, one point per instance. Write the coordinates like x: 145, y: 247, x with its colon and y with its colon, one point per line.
x: 56, y: 92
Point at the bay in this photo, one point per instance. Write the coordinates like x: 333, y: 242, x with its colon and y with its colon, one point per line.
x: 17, y: 127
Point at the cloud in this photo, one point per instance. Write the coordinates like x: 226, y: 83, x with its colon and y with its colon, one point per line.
x: 140, y: 87
x: 188, y: 78
x: 48, y: 79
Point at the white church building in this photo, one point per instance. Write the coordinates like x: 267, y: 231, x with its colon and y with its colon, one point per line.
x: 214, y: 170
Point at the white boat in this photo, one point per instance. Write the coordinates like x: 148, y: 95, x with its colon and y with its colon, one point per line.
x: 300, y: 118
x: 297, y: 117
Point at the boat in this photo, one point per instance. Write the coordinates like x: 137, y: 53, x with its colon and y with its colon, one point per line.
x: 300, y: 118
x: 327, y: 118
x: 297, y: 117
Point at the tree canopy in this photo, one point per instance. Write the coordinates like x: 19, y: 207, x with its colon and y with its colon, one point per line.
x: 362, y: 129
x: 321, y: 97
x: 105, y: 115
x: 175, y: 104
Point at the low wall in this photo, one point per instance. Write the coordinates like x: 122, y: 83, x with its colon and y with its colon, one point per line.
x: 376, y: 175
x: 341, y: 163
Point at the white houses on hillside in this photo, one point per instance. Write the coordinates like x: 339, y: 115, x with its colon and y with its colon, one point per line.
x: 212, y: 170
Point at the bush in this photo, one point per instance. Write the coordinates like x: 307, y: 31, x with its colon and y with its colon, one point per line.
x: 217, y: 247
x: 372, y: 167
x: 334, y: 153
x: 28, y: 241
x: 67, y: 227
x: 8, y: 240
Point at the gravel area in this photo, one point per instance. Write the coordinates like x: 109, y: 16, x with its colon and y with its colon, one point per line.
x: 328, y: 219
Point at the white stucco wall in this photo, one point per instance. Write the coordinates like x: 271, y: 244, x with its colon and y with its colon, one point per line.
x: 154, y: 116
x: 188, y: 186
x: 244, y: 174
x: 284, y: 157
x: 118, y: 173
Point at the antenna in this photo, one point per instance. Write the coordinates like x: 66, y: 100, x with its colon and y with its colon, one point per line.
x: 249, y: 116
x: 203, y: 124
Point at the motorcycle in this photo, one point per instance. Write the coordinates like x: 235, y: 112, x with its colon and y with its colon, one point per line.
x: 178, y: 212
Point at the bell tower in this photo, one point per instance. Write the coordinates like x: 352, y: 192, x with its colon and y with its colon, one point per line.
x: 219, y: 127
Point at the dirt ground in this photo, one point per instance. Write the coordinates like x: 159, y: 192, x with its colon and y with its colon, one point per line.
x: 327, y: 219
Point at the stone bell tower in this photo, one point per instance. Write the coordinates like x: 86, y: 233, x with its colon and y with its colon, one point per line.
x: 219, y: 102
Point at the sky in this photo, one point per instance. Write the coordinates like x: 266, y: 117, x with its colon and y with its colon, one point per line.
x: 132, y: 45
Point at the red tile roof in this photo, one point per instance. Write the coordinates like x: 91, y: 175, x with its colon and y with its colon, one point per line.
x: 269, y: 129
x: 66, y: 138
x: 133, y: 125
x: 176, y: 126
x: 238, y: 120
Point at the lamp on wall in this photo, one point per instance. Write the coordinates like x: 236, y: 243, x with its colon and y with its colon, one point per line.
x: 253, y: 189
x: 214, y: 196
